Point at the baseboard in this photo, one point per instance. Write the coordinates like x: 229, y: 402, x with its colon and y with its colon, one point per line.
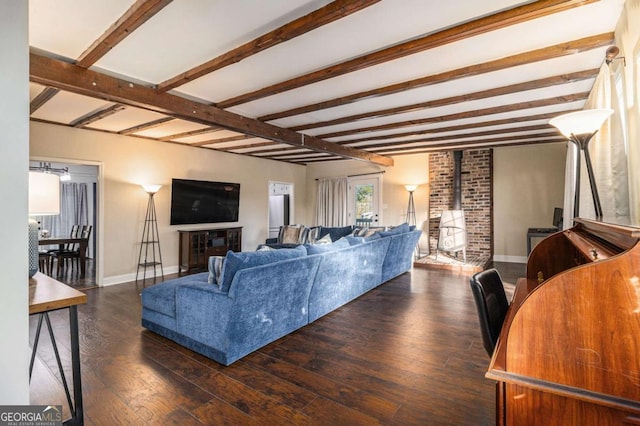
x: 509, y: 259
x: 127, y: 278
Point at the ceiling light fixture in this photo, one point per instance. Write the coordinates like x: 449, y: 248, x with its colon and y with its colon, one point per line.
x: 45, y: 167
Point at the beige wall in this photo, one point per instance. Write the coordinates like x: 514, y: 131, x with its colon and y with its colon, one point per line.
x: 407, y: 169
x: 128, y: 162
x: 528, y: 184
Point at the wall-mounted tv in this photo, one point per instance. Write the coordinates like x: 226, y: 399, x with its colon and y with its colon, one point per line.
x: 197, y: 201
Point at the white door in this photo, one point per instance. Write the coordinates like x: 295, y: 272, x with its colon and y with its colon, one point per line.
x: 364, y: 200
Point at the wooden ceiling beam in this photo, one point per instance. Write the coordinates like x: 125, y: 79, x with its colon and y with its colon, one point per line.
x: 70, y: 77
x: 146, y: 126
x: 191, y: 133
x: 510, y: 120
x: 42, y: 98
x: 478, y: 146
x: 95, y: 116
x: 476, y: 27
x: 533, y: 128
x: 222, y: 140
x: 485, y: 143
x: 323, y: 16
x: 550, y: 52
x: 135, y: 16
x: 467, y: 97
x: 251, y: 145
x: 461, y: 115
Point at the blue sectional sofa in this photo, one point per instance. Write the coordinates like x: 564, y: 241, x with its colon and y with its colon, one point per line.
x: 264, y: 296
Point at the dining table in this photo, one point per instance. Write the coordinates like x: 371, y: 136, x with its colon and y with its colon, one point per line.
x: 83, y: 243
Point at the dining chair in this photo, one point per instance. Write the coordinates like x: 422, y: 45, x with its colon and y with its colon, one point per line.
x: 492, y: 305
x: 72, y: 250
x: 45, y: 262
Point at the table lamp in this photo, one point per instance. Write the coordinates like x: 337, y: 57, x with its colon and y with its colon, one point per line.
x: 44, y: 200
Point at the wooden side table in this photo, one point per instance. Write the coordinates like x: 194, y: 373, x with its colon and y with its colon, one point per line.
x: 46, y: 295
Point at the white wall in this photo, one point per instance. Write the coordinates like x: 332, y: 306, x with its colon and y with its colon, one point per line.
x: 407, y: 169
x: 528, y: 184
x: 14, y: 151
x: 129, y: 162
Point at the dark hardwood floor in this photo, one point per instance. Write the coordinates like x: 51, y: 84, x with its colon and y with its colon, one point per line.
x: 407, y: 353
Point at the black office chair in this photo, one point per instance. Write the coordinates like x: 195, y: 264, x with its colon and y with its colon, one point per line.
x: 491, y: 302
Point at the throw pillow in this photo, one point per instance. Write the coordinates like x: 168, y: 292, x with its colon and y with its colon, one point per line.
x: 313, y: 235
x: 324, y: 248
x: 215, y: 269
x: 367, y: 232
x: 336, y: 232
x: 324, y: 240
x: 236, y: 261
x: 293, y: 234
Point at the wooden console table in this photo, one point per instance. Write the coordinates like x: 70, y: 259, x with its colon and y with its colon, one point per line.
x: 196, y: 245
x: 46, y: 295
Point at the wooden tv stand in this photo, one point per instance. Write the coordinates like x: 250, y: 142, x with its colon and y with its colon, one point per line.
x: 196, y: 245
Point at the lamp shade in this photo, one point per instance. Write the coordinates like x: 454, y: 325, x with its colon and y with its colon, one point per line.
x: 586, y: 121
x: 44, y: 194
x: 151, y: 189
x: 411, y: 188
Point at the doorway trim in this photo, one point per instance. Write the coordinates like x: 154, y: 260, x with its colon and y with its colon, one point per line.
x: 351, y: 180
x: 98, y: 234
x: 291, y: 192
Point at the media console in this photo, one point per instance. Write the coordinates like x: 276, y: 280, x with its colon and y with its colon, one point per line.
x: 196, y: 245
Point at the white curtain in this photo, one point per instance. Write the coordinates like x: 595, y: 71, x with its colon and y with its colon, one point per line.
x: 607, y: 151
x: 628, y: 40
x: 331, y: 201
x: 74, y: 210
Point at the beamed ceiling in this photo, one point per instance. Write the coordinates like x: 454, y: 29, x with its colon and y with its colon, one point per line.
x: 310, y: 81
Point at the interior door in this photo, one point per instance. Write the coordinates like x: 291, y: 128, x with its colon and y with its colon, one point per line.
x: 364, y: 200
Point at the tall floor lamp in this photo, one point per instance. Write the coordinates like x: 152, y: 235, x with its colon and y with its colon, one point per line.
x: 579, y: 127
x: 150, y: 243
x: 411, y: 209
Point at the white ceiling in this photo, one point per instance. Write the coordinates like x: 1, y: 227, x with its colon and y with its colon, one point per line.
x: 185, y: 34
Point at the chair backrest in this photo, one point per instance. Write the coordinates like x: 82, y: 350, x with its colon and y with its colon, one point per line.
x: 73, y: 234
x: 85, y: 234
x: 491, y: 302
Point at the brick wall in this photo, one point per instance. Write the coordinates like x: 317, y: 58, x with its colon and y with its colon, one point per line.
x: 477, y: 199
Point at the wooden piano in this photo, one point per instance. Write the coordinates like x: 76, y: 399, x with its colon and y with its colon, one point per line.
x: 569, y: 349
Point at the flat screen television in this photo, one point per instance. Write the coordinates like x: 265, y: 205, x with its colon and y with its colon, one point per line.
x: 197, y: 201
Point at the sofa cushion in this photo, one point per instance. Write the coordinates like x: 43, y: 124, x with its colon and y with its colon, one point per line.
x: 374, y: 236
x: 400, y: 229
x: 354, y: 240
x: 236, y: 261
x: 324, y: 248
x: 162, y: 297
x: 215, y: 269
